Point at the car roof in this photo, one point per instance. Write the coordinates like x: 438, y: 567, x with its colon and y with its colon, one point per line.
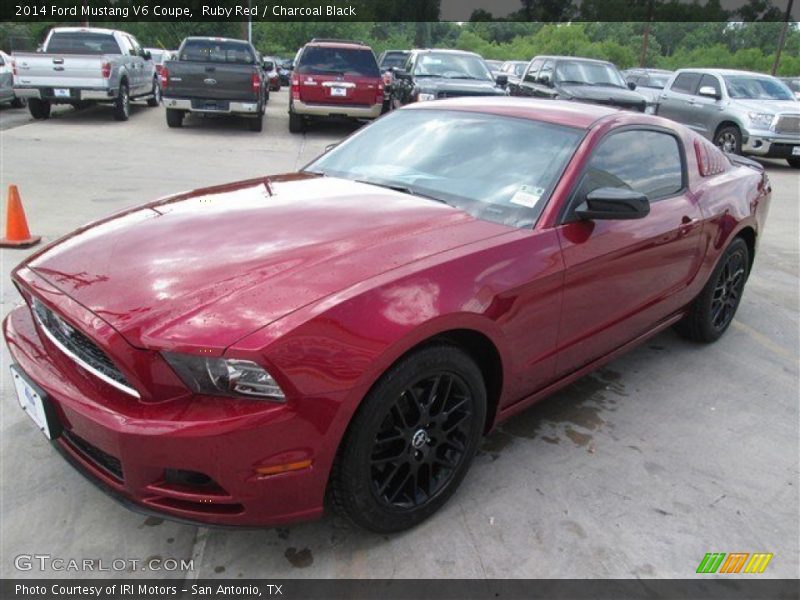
x: 86, y: 29
x: 559, y: 112
x: 723, y: 72
x: 445, y: 51
x: 330, y: 43
x: 575, y: 58
x: 214, y: 38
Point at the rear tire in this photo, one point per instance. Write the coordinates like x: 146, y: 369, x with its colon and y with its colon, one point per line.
x: 711, y: 313
x: 257, y: 124
x: 296, y: 123
x: 174, y: 117
x: 155, y: 99
x: 794, y: 162
x: 39, y: 109
x: 122, y: 105
x: 411, y: 441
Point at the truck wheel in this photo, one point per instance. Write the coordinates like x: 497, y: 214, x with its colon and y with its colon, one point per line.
x: 40, y: 109
x: 729, y: 139
x: 122, y: 106
x: 174, y: 117
x: 19, y: 103
x: 296, y: 123
x: 794, y: 162
x: 256, y: 124
x: 155, y: 99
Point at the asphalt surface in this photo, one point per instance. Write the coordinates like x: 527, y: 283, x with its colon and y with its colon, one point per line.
x: 636, y: 470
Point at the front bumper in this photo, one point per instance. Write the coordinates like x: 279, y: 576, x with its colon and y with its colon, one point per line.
x: 372, y: 111
x: 769, y: 144
x: 222, y: 107
x: 130, y: 449
x: 76, y: 94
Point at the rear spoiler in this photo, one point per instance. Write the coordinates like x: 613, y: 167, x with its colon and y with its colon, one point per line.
x: 743, y: 161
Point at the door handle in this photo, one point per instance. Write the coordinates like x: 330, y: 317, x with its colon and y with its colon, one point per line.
x: 687, y: 224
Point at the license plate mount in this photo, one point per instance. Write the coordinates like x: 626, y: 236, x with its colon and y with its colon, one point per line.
x: 35, y: 402
x: 61, y: 93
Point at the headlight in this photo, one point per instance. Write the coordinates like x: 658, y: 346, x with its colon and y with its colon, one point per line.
x: 224, y: 376
x: 422, y: 96
x: 761, y: 119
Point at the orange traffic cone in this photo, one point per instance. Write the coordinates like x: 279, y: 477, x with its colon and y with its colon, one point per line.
x: 17, y: 233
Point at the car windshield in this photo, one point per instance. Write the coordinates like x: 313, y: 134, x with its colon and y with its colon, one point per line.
x: 222, y: 51
x: 588, y: 73
x: 269, y: 65
x: 393, y: 59
x: 746, y: 87
x: 518, y: 68
x: 658, y: 81
x: 496, y: 168
x: 82, y: 42
x: 319, y: 60
x: 452, y: 66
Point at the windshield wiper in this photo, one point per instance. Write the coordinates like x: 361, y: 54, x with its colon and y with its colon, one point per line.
x: 572, y: 82
x: 398, y: 187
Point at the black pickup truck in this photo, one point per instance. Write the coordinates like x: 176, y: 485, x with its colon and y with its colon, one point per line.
x: 214, y: 76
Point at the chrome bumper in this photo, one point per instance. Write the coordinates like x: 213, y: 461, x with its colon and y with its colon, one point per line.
x: 239, y: 108
x: 326, y: 110
x: 767, y: 143
x: 82, y: 94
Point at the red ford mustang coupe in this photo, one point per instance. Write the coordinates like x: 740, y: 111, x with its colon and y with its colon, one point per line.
x: 237, y: 354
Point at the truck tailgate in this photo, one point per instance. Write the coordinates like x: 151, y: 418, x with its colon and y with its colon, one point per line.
x: 60, y: 70
x: 209, y: 81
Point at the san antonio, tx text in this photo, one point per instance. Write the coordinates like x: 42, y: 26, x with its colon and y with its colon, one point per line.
x: 144, y: 590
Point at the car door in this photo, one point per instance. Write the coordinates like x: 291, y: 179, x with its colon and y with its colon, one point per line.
x: 148, y: 67
x: 131, y: 61
x: 676, y: 102
x: 623, y: 276
x: 529, y: 79
x: 707, y: 108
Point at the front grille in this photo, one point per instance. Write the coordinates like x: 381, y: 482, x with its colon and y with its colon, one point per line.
x: 788, y: 124
x: 105, y: 461
x: 80, y: 348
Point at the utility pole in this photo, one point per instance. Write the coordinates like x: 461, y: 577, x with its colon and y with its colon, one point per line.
x: 782, y: 38
x: 646, y: 39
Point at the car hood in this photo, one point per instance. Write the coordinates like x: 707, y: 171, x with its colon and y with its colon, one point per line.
x: 603, y: 94
x: 206, y: 268
x: 763, y: 106
x: 474, y: 86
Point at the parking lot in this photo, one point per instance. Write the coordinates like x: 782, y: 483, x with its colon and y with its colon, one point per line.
x: 637, y: 470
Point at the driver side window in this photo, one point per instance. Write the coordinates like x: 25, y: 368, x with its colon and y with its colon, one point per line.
x: 644, y: 161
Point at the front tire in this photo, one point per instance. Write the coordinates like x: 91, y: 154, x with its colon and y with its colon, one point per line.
x: 122, y: 105
x: 412, y: 440
x: 729, y: 139
x: 712, y: 311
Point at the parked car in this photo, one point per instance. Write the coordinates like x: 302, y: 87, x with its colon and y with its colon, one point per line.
x: 159, y: 56
x: 495, y: 66
x: 334, y: 78
x: 649, y: 83
x: 217, y: 76
x: 579, y: 79
x: 271, y: 73
x: 514, y: 70
x: 285, y: 70
x: 359, y: 325
x: 434, y: 74
x: 387, y: 61
x: 793, y: 83
x: 741, y: 112
x: 7, y: 83
x: 82, y: 66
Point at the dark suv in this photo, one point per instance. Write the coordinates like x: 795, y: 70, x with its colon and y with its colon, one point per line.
x: 580, y: 79
x: 334, y: 78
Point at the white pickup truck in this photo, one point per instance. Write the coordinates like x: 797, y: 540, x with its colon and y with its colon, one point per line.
x: 82, y: 66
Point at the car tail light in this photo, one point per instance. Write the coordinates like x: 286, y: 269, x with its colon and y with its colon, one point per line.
x: 105, y: 70
x: 295, y: 89
x: 159, y: 68
x: 256, y: 82
x: 379, y: 94
x: 164, y: 78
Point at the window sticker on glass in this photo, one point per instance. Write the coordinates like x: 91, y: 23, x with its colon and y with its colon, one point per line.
x: 527, y: 196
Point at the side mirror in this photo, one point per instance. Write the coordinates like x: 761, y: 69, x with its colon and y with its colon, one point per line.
x: 146, y: 55
x: 502, y: 80
x: 631, y: 85
x: 401, y: 73
x: 708, y: 92
x: 545, y: 80
x: 613, y: 203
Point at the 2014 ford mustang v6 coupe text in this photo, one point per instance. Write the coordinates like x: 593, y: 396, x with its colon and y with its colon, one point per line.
x: 238, y: 354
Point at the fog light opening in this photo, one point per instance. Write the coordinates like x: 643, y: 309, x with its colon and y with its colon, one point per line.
x: 285, y: 468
